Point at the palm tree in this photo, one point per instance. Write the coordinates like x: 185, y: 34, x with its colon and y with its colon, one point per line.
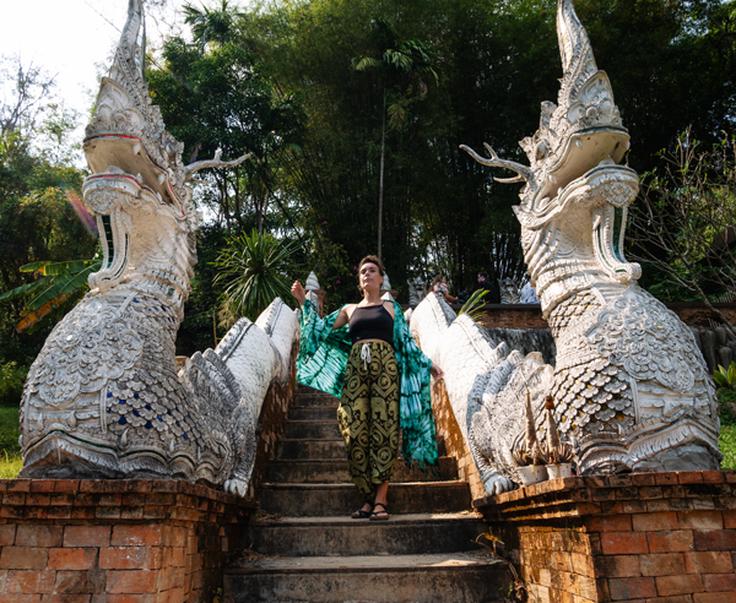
x: 210, y: 25
x: 403, y: 69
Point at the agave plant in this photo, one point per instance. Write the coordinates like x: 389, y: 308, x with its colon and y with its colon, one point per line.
x: 253, y: 269
x: 56, y: 283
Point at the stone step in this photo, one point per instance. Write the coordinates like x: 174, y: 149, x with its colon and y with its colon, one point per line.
x: 448, y: 577
x: 336, y: 471
x: 301, y: 413
x: 340, y: 499
x: 311, y: 449
x: 312, y: 429
x: 309, y: 401
x: 331, y: 536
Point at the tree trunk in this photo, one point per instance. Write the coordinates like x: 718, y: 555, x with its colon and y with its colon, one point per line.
x: 380, y: 174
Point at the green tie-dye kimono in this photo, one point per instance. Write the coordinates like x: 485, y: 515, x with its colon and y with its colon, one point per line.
x: 323, y: 356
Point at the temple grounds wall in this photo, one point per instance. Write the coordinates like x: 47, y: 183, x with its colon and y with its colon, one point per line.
x: 667, y: 537
x: 115, y: 541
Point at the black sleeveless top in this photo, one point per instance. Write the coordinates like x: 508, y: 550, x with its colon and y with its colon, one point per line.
x: 371, y: 322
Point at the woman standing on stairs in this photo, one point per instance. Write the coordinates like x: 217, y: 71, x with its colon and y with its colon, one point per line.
x: 365, y: 354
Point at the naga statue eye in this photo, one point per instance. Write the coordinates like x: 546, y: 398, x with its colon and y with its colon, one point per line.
x: 542, y: 150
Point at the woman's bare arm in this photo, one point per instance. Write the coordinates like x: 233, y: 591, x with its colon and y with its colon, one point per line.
x: 343, y: 318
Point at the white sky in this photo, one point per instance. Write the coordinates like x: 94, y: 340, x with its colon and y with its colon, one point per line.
x: 73, y: 40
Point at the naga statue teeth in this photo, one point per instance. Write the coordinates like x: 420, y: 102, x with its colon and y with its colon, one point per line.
x: 104, y: 397
x: 631, y: 388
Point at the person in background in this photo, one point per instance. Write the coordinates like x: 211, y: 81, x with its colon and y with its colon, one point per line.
x: 440, y: 287
x: 364, y: 353
x: 491, y: 285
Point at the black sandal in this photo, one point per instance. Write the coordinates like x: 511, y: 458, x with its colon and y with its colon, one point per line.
x: 381, y: 515
x: 362, y: 513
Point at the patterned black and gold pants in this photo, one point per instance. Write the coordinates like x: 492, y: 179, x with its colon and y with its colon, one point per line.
x: 368, y: 414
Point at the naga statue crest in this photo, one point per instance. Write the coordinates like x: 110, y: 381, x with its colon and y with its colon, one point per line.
x: 104, y: 397
x: 630, y: 386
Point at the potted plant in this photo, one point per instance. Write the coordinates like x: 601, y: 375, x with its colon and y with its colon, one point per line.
x: 529, y: 457
x: 559, y: 454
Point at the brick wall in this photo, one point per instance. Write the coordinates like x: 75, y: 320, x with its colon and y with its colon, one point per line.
x: 454, y: 441
x: 529, y: 316
x: 132, y: 541
x: 665, y: 537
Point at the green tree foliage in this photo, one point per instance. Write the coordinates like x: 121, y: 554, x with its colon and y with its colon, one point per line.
x: 38, y: 221
x: 39, y: 224
x: 683, y: 224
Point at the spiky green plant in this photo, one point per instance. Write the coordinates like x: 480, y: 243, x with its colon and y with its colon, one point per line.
x: 253, y: 269
x: 475, y: 305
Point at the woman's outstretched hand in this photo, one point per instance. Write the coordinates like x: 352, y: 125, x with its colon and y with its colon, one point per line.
x: 297, y: 290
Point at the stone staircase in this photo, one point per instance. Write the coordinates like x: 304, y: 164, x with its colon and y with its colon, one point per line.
x: 304, y: 547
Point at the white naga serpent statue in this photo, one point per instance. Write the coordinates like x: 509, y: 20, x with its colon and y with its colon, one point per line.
x: 630, y: 387
x: 103, y: 398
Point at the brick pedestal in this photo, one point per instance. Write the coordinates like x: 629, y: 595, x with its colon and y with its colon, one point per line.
x: 666, y: 537
x: 115, y: 540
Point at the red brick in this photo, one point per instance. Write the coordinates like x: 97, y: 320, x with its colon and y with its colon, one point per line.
x: 623, y: 543
x: 7, y: 534
x: 631, y: 588
x: 66, y: 598
x: 38, y: 499
x: 38, y: 535
x: 609, y: 523
x: 720, y: 582
x: 29, y: 581
x: 136, y: 535
x: 713, y: 477
x: 131, y: 582
x: 18, y: 485
x: 729, y: 519
x: 132, y: 599
x: 665, y: 479
x: 618, y: 566
x: 690, y: 477
x: 670, y: 541
x: 672, y: 599
x: 42, y: 485
x: 714, y: 540
x: 664, y: 564
x: 18, y: 598
x: 655, y: 522
x: 130, y: 557
x: 85, y: 582
x: 728, y: 597
x: 73, y: 558
x: 66, y: 485
x: 679, y: 585
x: 702, y: 520
x: 23, y: 557
x: 711, y: 562
x: 87, y: 535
